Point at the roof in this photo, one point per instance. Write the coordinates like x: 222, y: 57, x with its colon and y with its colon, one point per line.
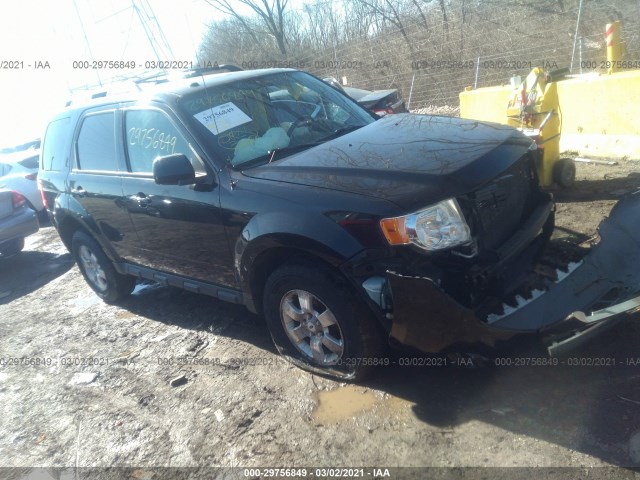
x: 173, y: 89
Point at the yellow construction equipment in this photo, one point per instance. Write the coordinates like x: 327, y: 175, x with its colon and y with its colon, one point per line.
x: 533, y: 106
x: 614, y: 47
x: 534, y: 109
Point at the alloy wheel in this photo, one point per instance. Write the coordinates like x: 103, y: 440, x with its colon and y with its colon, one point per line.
x: 92, y: 268
x: 311, y: 327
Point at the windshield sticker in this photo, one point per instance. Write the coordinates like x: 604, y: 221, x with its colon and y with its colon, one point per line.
x: 222, y: 118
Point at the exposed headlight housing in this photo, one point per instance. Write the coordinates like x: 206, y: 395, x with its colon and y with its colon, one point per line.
x: 437, y: 227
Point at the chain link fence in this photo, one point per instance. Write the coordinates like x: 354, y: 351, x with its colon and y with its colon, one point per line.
x: 431, y: 51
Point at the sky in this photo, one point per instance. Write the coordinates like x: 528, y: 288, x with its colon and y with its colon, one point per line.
x: 49, y: 34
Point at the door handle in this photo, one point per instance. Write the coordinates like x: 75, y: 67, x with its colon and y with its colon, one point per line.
x: 79, y: 191
x: 142, y: 198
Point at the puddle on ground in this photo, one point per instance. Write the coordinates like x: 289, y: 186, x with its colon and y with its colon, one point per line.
x: 337, y: 405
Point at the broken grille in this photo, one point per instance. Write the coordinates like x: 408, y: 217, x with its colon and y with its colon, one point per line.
x: 502, y: 205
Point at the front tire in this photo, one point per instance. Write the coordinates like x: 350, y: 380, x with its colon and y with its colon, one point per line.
x: 319, y: 324
x: 98, y: 270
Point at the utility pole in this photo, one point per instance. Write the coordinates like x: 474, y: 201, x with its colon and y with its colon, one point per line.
x: 152, y: 30
x: 86, y: 39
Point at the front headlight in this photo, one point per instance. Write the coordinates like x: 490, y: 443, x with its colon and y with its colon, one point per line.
x: 434, y: 228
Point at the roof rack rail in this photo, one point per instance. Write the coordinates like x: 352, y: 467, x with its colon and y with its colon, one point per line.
x: 163, y: 76
x: 138, y: 80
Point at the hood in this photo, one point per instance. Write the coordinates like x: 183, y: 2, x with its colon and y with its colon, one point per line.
x: 411, y: 160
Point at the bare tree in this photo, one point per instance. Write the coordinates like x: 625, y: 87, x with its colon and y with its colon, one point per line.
x: 322, y: 25
x: 232, y: 41
x: 379, y: 44
x: 423, y: 17
x: 445, y: 18
x: 388, y: 12
x: 358, y: 21
x: 463, y: 11
x: 271, y: 13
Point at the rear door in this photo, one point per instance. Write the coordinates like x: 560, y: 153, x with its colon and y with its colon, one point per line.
x: 95, y: 182
x: 180, y: 228
x: 54, y: 163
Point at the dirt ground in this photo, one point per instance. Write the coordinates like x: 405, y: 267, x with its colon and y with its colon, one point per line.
x: 92, y: 383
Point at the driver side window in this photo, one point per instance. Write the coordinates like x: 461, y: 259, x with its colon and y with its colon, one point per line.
x: 151, y: 134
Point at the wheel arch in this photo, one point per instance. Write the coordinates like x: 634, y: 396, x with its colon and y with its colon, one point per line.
x: 67, y: 226
x: 71, y: 223
x: 269, y: 240
x: 259, y: 263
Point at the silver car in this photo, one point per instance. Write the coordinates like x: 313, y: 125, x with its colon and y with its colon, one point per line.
x: 17, y: 221
x: 19, y: 172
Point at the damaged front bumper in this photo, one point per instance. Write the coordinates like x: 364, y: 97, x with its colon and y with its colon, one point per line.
x: 603, y: 289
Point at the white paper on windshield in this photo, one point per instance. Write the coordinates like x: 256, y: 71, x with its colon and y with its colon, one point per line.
x: 222, y: 118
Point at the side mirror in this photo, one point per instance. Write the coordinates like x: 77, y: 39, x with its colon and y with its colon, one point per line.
x: 173, y: 169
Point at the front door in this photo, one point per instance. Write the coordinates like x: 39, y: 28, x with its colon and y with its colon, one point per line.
x: 180, y: 228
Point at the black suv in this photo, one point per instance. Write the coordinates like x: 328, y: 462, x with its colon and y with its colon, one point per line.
x: 273, y: 190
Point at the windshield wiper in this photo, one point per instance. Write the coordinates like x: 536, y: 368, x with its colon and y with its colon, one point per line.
x: 341, y: 131
x: 276, y: 154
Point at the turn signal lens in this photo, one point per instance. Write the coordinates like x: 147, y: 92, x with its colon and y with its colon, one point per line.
x: 394, y: 230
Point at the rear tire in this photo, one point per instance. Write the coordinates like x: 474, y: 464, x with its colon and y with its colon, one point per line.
x: 319, y: 324
x: 43, y: 217
x: 98, y: 271
x: 12, y: 248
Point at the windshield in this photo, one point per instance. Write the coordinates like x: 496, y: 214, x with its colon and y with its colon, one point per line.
x: 251, y: 120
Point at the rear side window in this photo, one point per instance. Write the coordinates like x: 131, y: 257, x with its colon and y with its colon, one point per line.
x: 97, y: 143
x: 151, y: 134
x: 53, y: 154
x: 31, y: 162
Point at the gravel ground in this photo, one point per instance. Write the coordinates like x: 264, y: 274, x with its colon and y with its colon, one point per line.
x: 170, y: 378
x: 438, y: 110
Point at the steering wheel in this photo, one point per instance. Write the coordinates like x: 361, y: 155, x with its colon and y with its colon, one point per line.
x: 306, y: 120
x: 301, y: 122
